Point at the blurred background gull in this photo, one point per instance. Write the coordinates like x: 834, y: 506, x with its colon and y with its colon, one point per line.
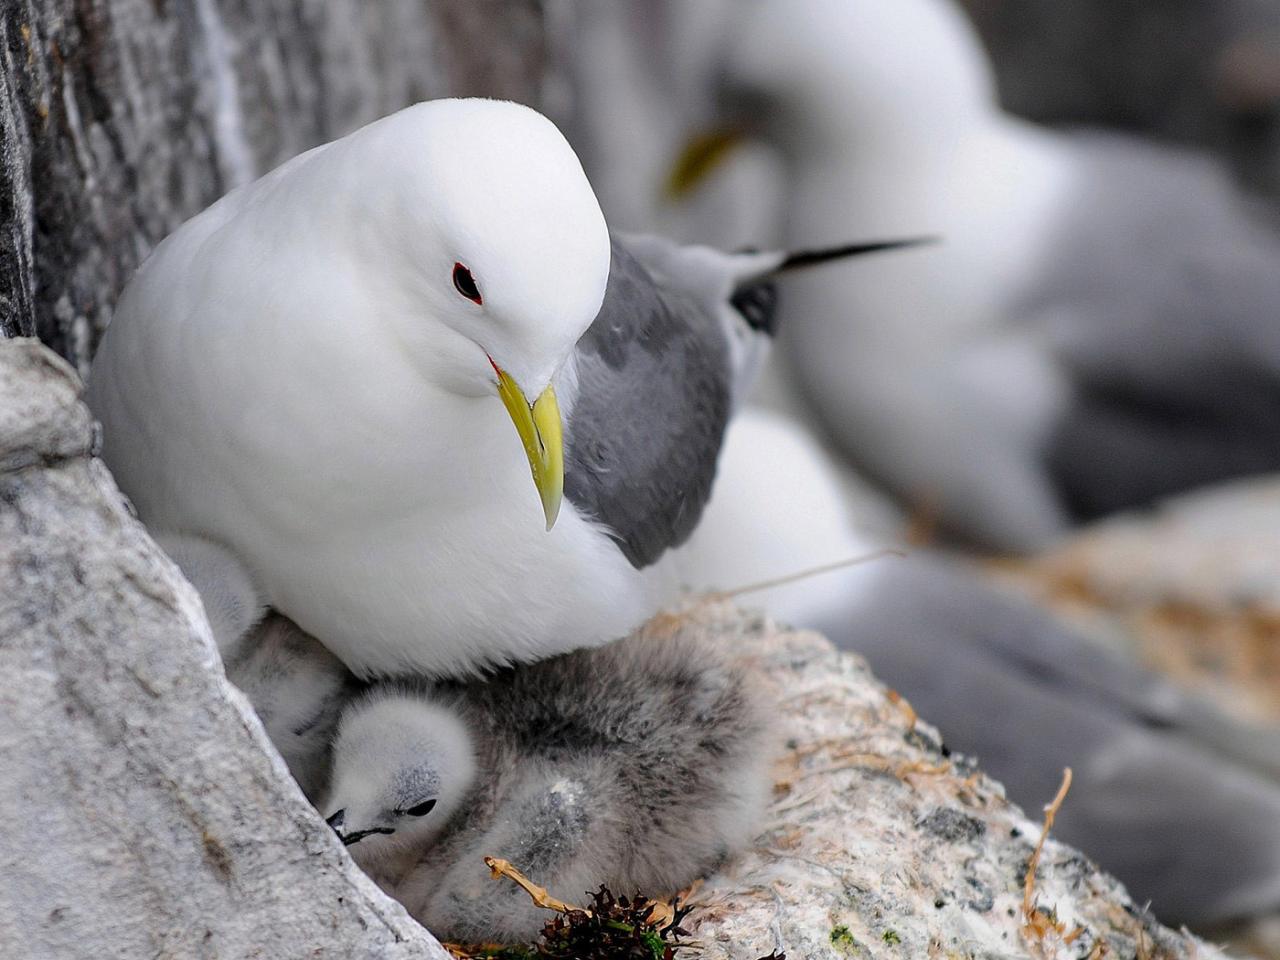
x: 1097, y: 330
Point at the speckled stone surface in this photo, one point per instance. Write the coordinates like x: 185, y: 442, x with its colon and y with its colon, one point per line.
x: 147, y: 815
x: 881, y: 845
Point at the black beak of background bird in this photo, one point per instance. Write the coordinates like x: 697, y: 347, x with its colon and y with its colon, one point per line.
x: 800, y: 259
x: 756, y: 299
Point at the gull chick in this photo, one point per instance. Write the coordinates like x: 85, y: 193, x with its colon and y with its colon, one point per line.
x: 642, y: 765
x: 298, y: 690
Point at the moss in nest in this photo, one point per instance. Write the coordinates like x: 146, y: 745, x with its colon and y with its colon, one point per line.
x: 841, y: 937
x: 612, y: 928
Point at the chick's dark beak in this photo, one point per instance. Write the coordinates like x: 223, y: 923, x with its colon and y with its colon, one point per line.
x: 338, y: 820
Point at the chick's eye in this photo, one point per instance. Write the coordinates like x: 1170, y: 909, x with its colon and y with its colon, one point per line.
x: 465, y: 283
x: 422, y: 809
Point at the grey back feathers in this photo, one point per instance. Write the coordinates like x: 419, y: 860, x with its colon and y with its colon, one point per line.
x: 676, y: 346
x: 654, y: 398
x: 642, y: 764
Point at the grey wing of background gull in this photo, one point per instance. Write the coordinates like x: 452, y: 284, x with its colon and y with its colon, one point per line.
x: 647, y: 425
x: 1163, y: 303
x: 1156, y: 798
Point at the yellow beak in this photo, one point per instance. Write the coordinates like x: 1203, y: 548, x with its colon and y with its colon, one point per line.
x: 541, y: 432
x: 698, y: 159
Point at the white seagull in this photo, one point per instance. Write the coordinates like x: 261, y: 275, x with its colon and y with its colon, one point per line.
x: 308, y: 391
x: 1096, y: 328
x: 308, y: 374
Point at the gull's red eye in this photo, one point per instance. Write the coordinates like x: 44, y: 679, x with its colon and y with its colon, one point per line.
x: 465, y: 283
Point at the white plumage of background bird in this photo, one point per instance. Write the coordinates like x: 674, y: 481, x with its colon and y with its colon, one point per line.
x: 1094, y: 331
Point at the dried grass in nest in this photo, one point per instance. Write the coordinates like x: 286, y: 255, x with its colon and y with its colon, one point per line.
x: 611, y: 928
x: 1037, y: 924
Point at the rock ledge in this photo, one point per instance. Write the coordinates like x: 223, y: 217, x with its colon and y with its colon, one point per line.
x: 148, y: 815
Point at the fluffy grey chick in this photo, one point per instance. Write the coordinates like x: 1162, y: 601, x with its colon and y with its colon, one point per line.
x: 298, y: 690
x: 296, y: 686
x: 641, y: 765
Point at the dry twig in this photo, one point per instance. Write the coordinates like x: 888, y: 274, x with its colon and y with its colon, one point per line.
x: 500, y: 868
x: 719, y: 595
x: 1036, y: 923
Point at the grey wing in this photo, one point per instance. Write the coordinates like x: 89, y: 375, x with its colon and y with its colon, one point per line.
x: 1164, y: 305
x: 1178, y: 388
x: 1155, y: 800
x: 653, y: 400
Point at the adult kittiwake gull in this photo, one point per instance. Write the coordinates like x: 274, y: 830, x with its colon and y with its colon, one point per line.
x: 319, y: 374
x: 308, y: 390
x: 1097, y: 328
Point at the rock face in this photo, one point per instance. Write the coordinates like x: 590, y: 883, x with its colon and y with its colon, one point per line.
x: 882, y: 845
x: 147, y: 814
x: 119, y: 119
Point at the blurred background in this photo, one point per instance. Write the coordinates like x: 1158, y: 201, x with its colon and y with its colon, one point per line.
x: 1066, y: 405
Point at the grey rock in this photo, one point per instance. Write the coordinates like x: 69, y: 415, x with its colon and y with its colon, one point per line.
x: 879, y: 846
x: 146, y: 812
x: 148, y: 815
